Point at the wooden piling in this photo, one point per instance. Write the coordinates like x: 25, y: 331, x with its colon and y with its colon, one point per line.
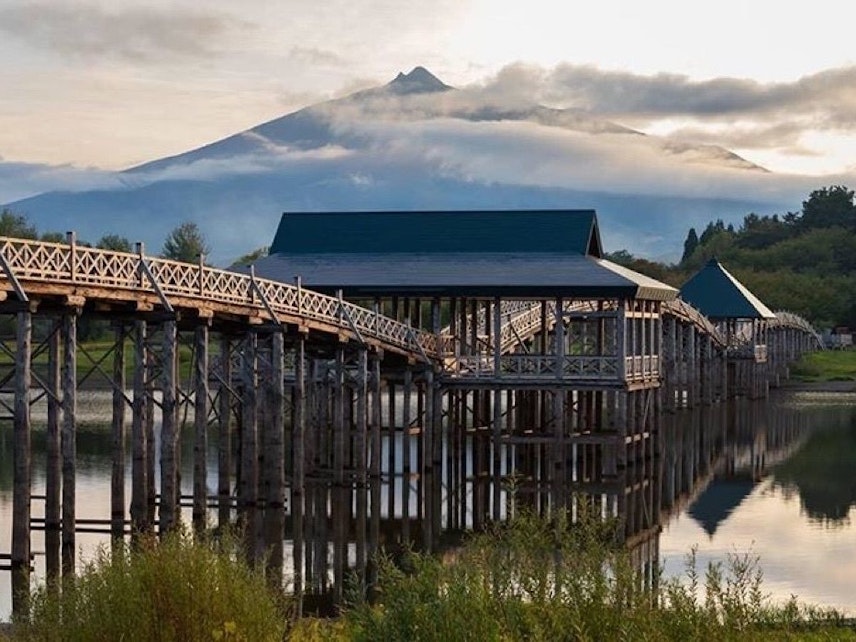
x: 22, y: 473
x: 298, y: 483
x: 117, y: 476
x: 169, y: 490
x: 248, y: 484
x: 69, y: 441
x: 224, y: 435
x: 200, y: 429
x: 274, y: 473
x: 53, y: 472
x: 139, y: 445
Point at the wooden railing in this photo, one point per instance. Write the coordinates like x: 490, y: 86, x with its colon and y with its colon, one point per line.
x: 687, y: 313
x: 125, y: 275
x: 28, y: 262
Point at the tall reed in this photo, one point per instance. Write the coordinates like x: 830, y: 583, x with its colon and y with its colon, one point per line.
x: 178, y: 589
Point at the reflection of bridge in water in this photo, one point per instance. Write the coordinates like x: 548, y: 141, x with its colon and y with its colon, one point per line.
x: 453, y: 356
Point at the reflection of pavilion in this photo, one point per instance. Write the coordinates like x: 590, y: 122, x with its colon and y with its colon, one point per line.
x: 716, y: 502
x: 713, y: 459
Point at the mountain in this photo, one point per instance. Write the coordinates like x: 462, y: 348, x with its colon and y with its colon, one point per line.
x: 418, y: 143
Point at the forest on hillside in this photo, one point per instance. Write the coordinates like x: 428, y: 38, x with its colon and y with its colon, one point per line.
x: 802, y: 262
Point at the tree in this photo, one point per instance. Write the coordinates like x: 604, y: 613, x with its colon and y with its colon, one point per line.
x: 185, y: 243
x: 16, y: 225
x: 690, y: 245
x: 251, y: 257
x: 53, y: 237
x: 114, y: 242
x: 829, y: 207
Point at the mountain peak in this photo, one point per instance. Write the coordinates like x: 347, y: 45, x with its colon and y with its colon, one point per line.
x: 418, y: 81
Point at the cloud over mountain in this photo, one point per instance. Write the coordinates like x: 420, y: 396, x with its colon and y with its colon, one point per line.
x: 417, y: 143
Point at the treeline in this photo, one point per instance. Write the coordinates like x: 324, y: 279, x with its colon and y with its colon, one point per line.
x: 803, y: 262
x: 184, y: 243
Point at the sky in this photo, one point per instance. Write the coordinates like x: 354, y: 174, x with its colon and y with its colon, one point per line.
x: 94, y: 86
x: 110, y: 84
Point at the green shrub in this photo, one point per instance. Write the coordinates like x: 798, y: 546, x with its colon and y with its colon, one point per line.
x: 539, y: 579
x: 174, y: 590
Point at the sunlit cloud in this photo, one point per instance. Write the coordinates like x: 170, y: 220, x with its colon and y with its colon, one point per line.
x: 130, y: 33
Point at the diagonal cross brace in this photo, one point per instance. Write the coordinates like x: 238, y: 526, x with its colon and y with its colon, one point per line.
x: 10, y: 274
x: 147, y: 271
x: 257, y: 289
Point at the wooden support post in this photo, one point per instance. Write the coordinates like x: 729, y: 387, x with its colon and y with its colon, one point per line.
x: 224, y: 436
x: 390, y: 450
x: 406, y: 459
x: 298, y: 484
x: 274, y: 473
x: 139, y: 447
x: 151, y: 442
x: 248, y: 481
x: 360, y: 463
x: 497, y: 410
x: 22, y: 473
x: 169, y: 490
x: 200, y: 430
x: 117, y: 480
x: 375, y: 469
x: 69, y: 440
x: 53, y: 472
x: 340, y: 511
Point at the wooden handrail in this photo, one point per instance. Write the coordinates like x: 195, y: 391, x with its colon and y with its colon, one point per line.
x: 25, y: 261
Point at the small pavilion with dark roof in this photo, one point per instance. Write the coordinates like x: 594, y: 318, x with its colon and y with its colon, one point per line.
x: 742, y: 319
x: 717, y: 294
x: 461, y: 274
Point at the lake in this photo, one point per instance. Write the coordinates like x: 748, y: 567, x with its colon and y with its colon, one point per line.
x: 771, y: 479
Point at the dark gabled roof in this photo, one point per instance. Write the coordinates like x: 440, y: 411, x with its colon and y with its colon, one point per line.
x: 459, y: 274
x: 523, y: 254
x: 718, y: 295
x: 721, y: 498
x: 526, y: 231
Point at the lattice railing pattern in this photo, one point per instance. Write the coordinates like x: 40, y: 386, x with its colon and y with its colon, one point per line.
x: 523, y: 366
x: 795, y: 322
x: 73, y: 265
x: 687, y: 313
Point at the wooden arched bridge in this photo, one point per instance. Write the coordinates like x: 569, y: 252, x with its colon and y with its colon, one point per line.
x: 349, y: 415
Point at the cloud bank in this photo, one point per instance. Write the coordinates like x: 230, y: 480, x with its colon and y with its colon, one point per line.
x: 129, y: 33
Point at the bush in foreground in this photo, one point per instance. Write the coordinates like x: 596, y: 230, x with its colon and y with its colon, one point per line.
x: 174, y: 590
x: 534, y: 579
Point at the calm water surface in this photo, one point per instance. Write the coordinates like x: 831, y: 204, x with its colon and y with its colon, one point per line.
x: 776, y: 480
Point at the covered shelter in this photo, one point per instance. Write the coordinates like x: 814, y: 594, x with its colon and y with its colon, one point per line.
x: 738, y: 313
x: 465, y: 274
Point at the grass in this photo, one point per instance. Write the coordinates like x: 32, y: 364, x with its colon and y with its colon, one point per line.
x: 531, y: 579
x: 828, y: 365
x: 100, y: 352
x: 526, y: 579
x: 177, y: 590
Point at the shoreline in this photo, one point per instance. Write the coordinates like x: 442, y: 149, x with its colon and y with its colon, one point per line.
x: 819, y: 386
